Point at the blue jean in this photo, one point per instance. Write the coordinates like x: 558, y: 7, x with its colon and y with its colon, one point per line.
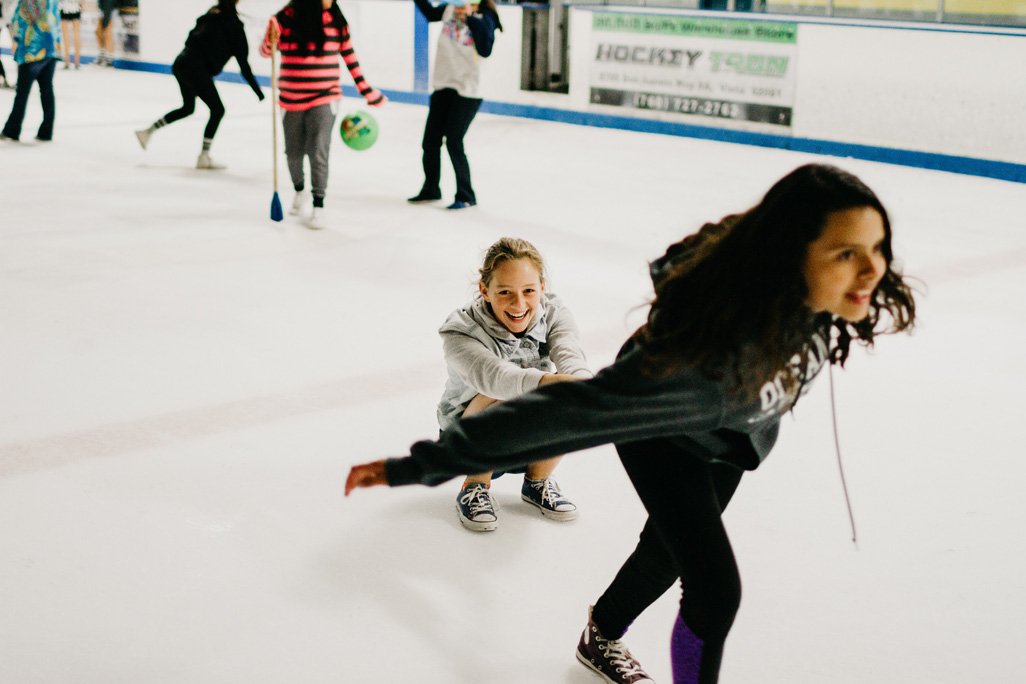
x: 28, y: 74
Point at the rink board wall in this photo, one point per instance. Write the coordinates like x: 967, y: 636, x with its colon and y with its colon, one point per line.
x: 948, y: 97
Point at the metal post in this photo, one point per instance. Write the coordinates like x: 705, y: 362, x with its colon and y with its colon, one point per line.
x: 940, y: 11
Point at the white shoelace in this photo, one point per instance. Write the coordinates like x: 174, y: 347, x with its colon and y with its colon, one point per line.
x: 549, y: 489
x: 618, y: 654
x: 478, y: 500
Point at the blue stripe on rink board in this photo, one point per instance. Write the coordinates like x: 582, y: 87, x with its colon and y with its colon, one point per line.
x: 968, y: 166
x: 925, y: 160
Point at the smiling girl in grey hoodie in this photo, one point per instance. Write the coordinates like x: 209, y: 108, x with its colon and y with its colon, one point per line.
x: 504, y: 343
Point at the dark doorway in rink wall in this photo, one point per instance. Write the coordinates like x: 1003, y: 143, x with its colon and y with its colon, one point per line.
x: 545, y: 61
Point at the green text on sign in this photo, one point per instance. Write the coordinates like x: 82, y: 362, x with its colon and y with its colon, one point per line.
x: 695, y: 27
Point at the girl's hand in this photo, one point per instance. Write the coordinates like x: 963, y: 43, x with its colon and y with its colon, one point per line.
x: 273, y: 32
x: 366, y: 475
x: 375, y: 98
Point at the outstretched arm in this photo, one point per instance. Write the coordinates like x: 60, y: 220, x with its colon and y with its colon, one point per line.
x: 482, y: 30
x: 617, y: 405
x: 482, y: 369
x: 242, y: 58
x: 430, y: 12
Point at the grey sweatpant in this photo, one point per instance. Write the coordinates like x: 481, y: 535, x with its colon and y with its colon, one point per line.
x: 308, y: 134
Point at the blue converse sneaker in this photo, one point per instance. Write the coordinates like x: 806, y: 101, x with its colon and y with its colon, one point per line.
x: 546, y: 496
x: 460, y: 204
x: 475, y: 508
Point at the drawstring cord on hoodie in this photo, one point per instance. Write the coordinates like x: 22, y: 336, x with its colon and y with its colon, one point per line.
x: 834, y: 358
x: 840, y: 465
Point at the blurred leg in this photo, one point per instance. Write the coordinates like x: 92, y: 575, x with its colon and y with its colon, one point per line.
x: 463, y: 112
x: 478, y: 403
x: 438, y: 112
x: 27, y: 75
x: 320, y: 129
x: 294, y: 129
x: 47, y: 99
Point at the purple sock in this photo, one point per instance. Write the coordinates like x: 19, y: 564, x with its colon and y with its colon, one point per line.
x: 685, y: 654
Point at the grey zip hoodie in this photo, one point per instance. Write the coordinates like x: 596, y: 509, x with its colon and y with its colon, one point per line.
x: 483, y: 357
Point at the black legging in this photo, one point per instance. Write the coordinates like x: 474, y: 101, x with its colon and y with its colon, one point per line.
x: 449, y: 117
x: 683, y: 538
x: 195, y: 82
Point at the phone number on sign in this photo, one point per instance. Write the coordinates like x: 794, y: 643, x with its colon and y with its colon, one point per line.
x: 687, y: 105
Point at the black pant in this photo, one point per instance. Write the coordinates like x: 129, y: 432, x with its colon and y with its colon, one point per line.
x: 449, y: 117
x: 194, y: 81
x: 29, y: 73
x: 683, y: 538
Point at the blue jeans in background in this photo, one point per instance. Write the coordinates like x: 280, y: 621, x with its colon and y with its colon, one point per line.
x: 28, y: 74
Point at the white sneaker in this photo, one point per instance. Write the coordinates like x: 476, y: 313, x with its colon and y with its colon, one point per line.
x: 144, y: 137
x: 316, y: 220
x: 301, y: 200
x: 205, y: 162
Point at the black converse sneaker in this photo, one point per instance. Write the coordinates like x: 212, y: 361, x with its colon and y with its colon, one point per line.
x: 475, y: 507
x: 609, y: 658
x: 550, y: 501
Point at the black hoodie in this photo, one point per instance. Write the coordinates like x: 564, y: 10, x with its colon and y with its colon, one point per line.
x: 217, y: 38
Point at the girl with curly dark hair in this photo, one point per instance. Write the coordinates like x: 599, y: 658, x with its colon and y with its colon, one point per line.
x: 746, y: 312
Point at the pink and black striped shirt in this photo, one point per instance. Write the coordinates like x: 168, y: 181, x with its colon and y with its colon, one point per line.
x: 311, y: 78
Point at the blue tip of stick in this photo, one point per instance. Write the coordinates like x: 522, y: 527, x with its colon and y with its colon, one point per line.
x: 276, y: 213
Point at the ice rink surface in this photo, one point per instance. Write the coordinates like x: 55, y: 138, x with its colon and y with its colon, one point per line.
x: 184, y: 385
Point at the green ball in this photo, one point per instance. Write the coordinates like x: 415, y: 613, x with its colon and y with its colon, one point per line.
x: 359, y: 130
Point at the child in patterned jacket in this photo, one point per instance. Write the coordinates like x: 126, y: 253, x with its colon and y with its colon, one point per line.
x: 467, y: 37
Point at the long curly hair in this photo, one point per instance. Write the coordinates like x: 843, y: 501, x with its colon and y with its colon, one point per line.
x: 731, y: 298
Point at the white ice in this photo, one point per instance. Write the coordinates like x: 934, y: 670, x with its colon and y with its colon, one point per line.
x: 184, y: 385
